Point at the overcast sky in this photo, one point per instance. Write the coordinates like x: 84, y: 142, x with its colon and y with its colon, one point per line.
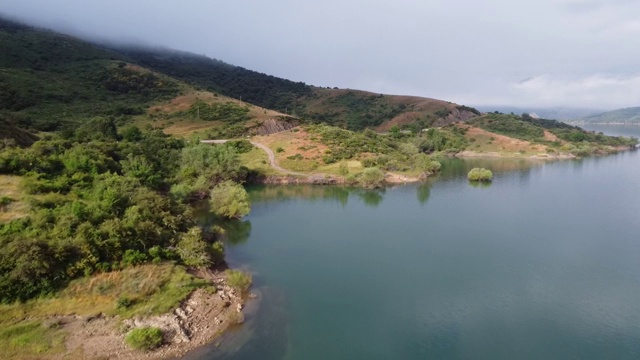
x: 580, y: 53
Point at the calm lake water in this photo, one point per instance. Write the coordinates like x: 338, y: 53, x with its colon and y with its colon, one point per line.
x: 542, y: 264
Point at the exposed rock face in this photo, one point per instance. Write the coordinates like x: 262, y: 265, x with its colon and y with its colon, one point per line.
x: 276, y: 125
x: 455, y: 116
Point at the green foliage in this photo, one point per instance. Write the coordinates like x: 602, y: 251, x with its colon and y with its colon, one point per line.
x: 240, y: 146
x: 132, y: 133
x: 144, y: 338
x: 229, y: 112
x: 229, y: 200
x: 509, y: 125
x: 192, y: 249
x: 99, y: 210
x: 426, y: 164
x: 372, y: 177
x: 51, y: 81
x: 239, y: 280
x: 214, y: 162
x: 442, y: 113
x: 343, y: 169
x: 448, y: 139
x: 256, y: 88
x: 30, y: 339
x: 355, y: 110
x: 469, y: 109
x: 480, y: 174
x: 345, y: 144
x: 4, y: 201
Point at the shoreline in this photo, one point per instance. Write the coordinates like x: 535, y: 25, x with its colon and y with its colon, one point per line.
x: 200, y: 318
x: 392, y: 178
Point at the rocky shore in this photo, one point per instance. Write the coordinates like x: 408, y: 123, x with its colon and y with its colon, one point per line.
x: 199, y: 319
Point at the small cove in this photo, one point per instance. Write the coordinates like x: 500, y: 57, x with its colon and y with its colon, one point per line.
x: 543, y: 263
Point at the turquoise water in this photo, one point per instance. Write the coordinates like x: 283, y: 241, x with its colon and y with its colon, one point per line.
x: 542, y: 264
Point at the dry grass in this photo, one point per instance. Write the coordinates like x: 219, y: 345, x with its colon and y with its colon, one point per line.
x: 257, y: 160
x: 483, y: 141
x: 18, y: 208
x: 186, y: 126
x: 355, y: 167
x: 152, y: 289
x: 293, y: 142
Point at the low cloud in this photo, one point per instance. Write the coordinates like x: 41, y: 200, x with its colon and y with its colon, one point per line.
x: 598, y: 90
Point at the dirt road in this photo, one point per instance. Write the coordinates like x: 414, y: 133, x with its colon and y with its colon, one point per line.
x: 270, y: 155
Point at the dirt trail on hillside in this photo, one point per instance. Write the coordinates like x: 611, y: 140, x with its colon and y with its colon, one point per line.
x: 270, y: 154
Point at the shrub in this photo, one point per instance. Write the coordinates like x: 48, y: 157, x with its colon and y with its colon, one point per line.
x: 4, y: 201
x: 230, y: 200
x: 239, y: 280
x: 372, y: 177
x: 144, y: 338
x: 343, y: 169
x: 279, y: 150
x: 124, y: 302
x: 480, y: 174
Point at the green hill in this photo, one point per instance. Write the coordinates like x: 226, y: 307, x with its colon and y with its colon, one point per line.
x: 621, y: 116
x: 351, y: 109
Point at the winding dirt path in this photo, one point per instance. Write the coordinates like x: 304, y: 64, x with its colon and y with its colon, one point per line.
x: 270, y: 155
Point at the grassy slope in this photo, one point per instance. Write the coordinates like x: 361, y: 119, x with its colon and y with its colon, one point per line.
x: 355, y: 110
x: 621, y: 116
x: 350, y: 109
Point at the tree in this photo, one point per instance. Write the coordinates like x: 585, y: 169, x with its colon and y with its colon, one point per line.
x: 230, y: 200
x: 192, y: 249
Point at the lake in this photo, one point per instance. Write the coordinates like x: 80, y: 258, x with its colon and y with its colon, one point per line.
x: 542, y: 264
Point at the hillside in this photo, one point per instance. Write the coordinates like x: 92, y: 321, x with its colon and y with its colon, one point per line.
x: 621, y: 116
x: 50, y: 82
x: 357, y: 110
x: 351, y: 109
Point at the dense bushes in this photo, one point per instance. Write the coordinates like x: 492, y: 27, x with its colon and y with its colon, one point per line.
x: 229, y: 112
x: 480, y: 174
x: 101, y: 205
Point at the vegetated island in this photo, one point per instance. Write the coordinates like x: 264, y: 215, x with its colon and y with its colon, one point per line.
x: 102, y: 171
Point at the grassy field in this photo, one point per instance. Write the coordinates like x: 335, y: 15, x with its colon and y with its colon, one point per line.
x: 257, y: 160
x: 15, y: 207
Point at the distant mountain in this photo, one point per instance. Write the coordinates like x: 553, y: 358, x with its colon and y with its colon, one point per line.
x: 621, y: 116
x: 557, y: 113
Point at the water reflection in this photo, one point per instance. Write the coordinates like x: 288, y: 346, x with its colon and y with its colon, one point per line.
x: 454, y: 168
x: 371, y: 198
x: 423, y: 192
x: 480, y: 184
x: 236, y: 231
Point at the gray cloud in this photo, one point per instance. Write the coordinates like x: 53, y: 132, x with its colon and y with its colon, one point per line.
x: 465, y: 51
